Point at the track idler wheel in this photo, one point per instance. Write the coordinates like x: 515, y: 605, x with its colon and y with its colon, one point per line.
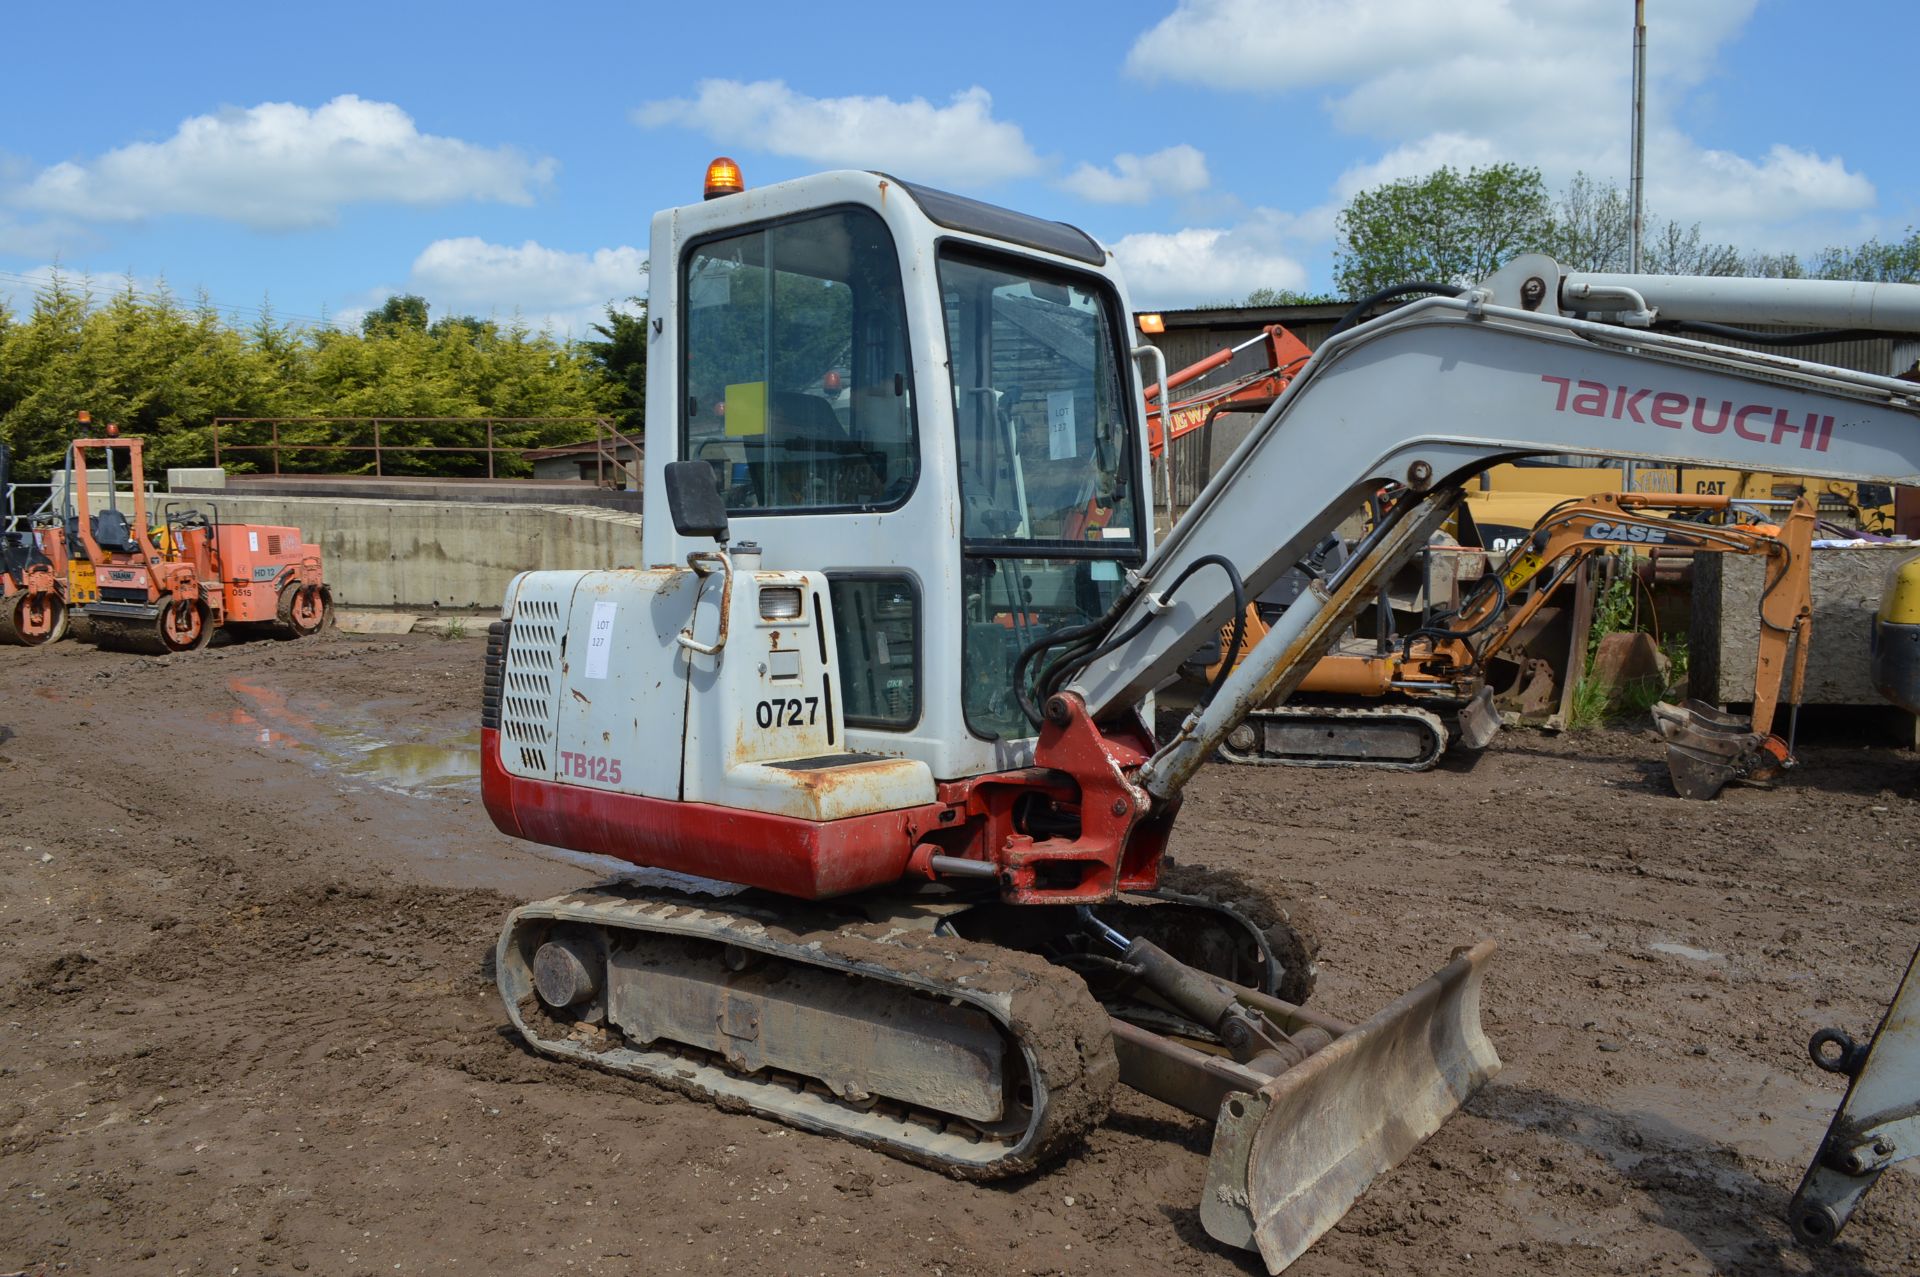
x: 32, y: 618
x: 304, y: 610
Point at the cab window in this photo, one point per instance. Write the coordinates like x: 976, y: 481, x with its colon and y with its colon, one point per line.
x: 796, y: 376
x: 1051, y: 511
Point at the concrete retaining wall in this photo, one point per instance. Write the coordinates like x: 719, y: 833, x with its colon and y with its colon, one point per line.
x: 1724, y: 632
x: 428, y: 554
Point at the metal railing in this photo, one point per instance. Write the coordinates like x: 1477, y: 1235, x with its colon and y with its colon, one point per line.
x: 17, y: 518
x: 611, y: 468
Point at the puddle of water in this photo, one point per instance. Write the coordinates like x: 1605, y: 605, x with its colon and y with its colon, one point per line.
x: 260, y: 733
x: 1676, y: 950
x: 418, y: 766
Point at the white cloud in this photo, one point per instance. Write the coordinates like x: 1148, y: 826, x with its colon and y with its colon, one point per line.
x: 1135, y: 179
x: 544, y: 287
x: 1207, y: 264
x: 45, y: 237
x: 1416, y: 159
x: 19, y: 287
x: 280, y: 166
x: 1480, y: 81
x: 960, y: 142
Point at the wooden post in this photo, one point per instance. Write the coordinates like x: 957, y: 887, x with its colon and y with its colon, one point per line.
x: 1576, y: 646
x: 377, y: 472
x: 489, y: 447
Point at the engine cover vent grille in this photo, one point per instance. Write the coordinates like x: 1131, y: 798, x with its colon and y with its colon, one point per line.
x: 530, y: 684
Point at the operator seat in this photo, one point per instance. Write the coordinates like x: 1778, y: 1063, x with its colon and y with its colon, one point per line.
x: 809, y: 444
x: 113, y: 533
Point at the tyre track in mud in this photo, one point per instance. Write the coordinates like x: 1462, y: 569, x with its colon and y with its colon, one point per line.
x: 249, y: 1021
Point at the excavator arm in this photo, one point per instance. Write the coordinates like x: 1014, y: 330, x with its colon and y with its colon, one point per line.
x: 1426, y: 397
x: 1284, y: 355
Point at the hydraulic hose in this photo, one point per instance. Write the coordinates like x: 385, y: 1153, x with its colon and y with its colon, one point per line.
x: 1811, y: 338
x: 1423, y: 288
x: 1081, y: 652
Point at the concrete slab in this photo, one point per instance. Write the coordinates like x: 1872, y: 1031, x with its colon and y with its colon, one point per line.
x: 1726, y: 627
x: 374, y: 622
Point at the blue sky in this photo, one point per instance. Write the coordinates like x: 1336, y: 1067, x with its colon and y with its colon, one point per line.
x: 499, y: 160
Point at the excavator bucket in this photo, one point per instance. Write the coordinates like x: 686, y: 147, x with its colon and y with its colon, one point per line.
x: 1707, y: 748
x: 1289, y: 1160
x: 1479, y: 721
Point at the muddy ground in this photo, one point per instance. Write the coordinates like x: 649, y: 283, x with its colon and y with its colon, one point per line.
x: 247, y: 899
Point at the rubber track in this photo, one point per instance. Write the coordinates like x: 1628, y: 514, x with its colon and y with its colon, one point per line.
x: 1294, y: 947
x: 1436, y: 737
x: 1046, y: 1009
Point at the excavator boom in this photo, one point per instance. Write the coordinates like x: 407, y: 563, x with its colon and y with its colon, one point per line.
x: 1425, y: 397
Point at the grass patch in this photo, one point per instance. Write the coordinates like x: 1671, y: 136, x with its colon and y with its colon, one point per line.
x: 1616, y: 611
x: 455, y: 628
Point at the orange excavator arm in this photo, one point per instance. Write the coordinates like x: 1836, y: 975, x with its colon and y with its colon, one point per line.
x: 1250, y: 392
x: 1575, y: 531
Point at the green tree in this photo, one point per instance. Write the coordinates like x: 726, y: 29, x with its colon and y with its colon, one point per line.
x: 620, y: 353
x: 1593, y: 230
x: 164, y: 370
x: 1897, y: 263
x: 1285, y: 297
x: 402, y: 310
x: 1448, y: 226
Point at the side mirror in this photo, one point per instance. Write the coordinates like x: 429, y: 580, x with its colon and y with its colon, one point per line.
x: 693, y: 499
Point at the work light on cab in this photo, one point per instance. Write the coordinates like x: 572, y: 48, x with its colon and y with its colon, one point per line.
x: 723, y: 178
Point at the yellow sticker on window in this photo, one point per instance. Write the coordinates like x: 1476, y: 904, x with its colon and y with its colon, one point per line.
x: 747, y: 408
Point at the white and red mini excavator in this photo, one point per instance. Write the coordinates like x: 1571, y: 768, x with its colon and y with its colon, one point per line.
x: 876, y: 706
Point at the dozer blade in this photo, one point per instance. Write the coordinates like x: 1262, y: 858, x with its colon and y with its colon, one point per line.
x: 1299, y: 1152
